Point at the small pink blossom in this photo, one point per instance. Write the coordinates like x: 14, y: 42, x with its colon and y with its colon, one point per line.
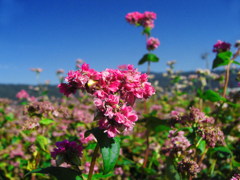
x: 152, y: 43
x: 221, y: 46
x: 122, y: 67
x: 22, y: 94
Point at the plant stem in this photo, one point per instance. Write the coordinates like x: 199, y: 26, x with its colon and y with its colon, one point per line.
x: 147, y: 133
x: 199, y: 163
x: 228, y: 68
x: 94, y: 158
x: 227, y: 78
x: 148, y: 71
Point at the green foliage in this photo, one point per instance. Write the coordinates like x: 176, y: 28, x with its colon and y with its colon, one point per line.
x: 171, y: 171
x: 110, y: 148
x: 41, y: 142
x: 147, y: 31
x: 46, y: 121
x: 222, y: 59
x: 148, y: 57
x: 212, y: 96
x: 59, y: 172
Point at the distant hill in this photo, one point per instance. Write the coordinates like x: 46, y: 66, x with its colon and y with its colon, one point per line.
x: 10, y: 90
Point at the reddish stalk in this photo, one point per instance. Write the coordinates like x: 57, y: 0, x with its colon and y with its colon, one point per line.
x: 93, y: 161
x: 147, y: 133
x: 228, y: 68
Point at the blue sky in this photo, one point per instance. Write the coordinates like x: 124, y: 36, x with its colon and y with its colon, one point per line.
x: 53, y: 34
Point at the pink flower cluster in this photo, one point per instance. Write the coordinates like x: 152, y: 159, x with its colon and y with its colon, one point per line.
x: 114, y: 91
x: 145, y: 19
x: 122, y: 67
x: 37, y: 70
x: 87, y: 168
x: 22, y: 94
x: 236, y: 177
x: 67, y: 149
x: 152, y: 43
x: 221, y: 46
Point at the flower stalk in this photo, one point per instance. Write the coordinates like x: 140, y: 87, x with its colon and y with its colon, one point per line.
x: 93, y: 161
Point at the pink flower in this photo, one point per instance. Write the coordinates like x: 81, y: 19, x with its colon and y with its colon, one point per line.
x: 87, y: 139
x: 221, y: 47
x: 22, y: 94
x: 87, y: 168
x: 145, y: 19
x: 122, y: 67
x: 114, y: 91
x: 68, y: 152
x: 152, y: 43
x: 118, y: 171
x: 134, y: 18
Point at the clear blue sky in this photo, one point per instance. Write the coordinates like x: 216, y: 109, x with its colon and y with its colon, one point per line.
x: 52, y: 34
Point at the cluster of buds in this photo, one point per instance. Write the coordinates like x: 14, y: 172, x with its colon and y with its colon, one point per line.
x: 178, y: 145
x: 68, y: 152
x: 192, y: 77
x: 39, y: 108
x: 139, y: 19
x: 60, y: 71
x: 221, y: 46
x: 30, y: 124
x: 22, y: 94
x: 37, y: 70
x: 195, y: 116
x: 152, y: 43
x: 79, y: 61
x: 188, y: 166
x: 212, y: 135
x: 236, y: 177
x: 114, y: 91
x: 5, y: 101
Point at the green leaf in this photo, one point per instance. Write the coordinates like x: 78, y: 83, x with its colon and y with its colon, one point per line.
x: 176, y: 79
x: 202, y: 145
x: 110, y: 148
x: 146, y: 31
x: 59, y: 172
x: 46, y: 121
x: 3, y: 176
x: 148, y: 57
x: 235, y: 163
x: 60, y: 159
x: 161, y: 128
x: 41, y: 142
x: 184, y: 129
x: 171, y: 170
x: 98, y: 176
x: 9, y: 117
x: 221, y: 149
x: 155, y: 123
x: 235, y: 62
x: 222, y: 59
x: 76, y: 160
x: 212, y: 96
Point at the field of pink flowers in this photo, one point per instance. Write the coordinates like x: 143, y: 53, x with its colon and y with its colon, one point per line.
x: 123, y: 125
